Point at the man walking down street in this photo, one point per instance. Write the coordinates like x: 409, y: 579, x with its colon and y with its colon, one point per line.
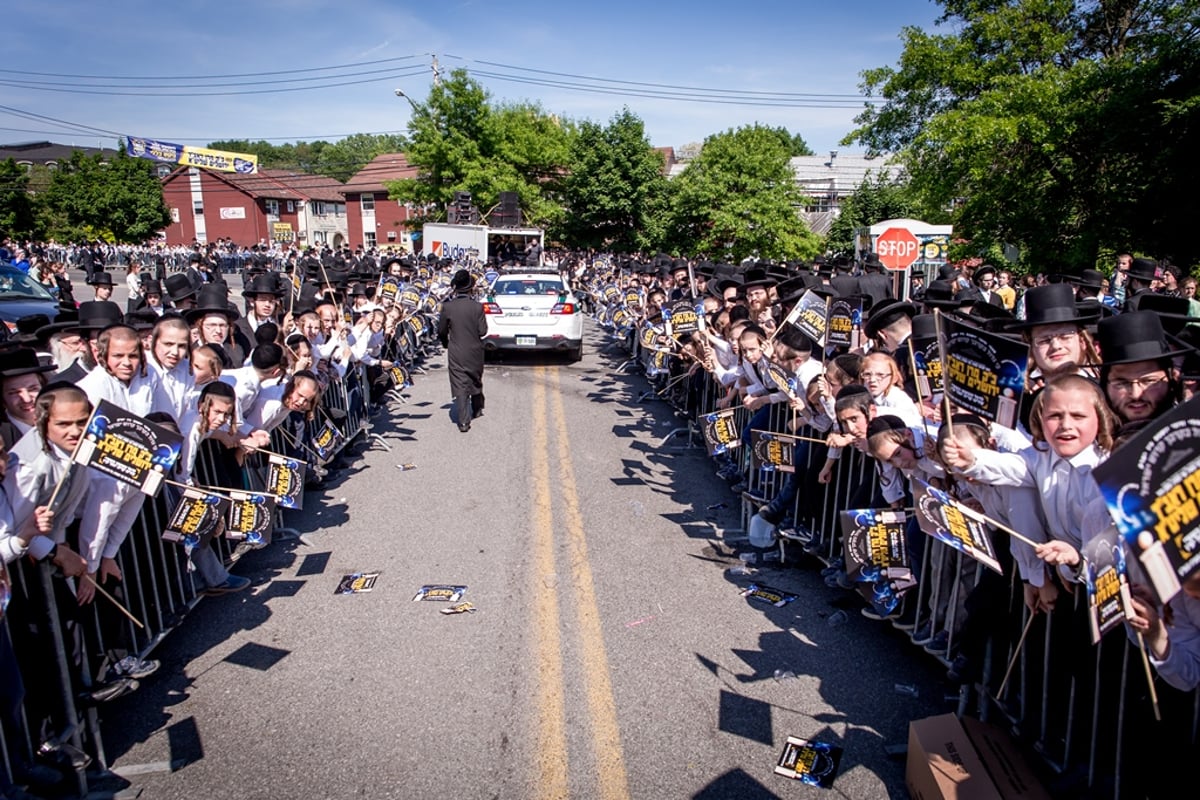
x: 461, y: 330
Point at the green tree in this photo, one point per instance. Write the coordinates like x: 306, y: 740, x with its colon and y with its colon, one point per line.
x: 793, y: 142
x: 615, y: 191
x: 877, y: 198
x: 739, y: 198
x: 16, y: 205
x: 1065, y: 127
x: 120, y: 200
x: 462, y: 143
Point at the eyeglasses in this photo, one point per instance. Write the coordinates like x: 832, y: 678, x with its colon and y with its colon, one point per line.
x: 1143, y: 383
x: 1046, y: 341
x: 874, y: 376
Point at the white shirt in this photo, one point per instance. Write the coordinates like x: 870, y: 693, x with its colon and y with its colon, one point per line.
x: 137, y: 397
x: 31, y: 481
x: 173, y: 387
x: 246, y: 386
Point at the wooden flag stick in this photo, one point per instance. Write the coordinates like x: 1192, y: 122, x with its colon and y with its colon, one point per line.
x: 67, y: 473
x: 112, y: 600
x: 1149, y: 677
x: 295, y: 443
x: 1013, y: 662
x: 937, y: 321
x: 792, y: 436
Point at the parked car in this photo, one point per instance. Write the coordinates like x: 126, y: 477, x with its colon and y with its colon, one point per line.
x: 22, y: 296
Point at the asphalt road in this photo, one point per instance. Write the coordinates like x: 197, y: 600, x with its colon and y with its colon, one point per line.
x: 610, y: 655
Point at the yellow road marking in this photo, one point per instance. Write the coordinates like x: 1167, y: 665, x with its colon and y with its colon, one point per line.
x: 606, y: 733
x: 551, y: 713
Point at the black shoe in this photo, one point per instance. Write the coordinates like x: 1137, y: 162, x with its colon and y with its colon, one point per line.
x: 109, y: 691
x: 336, y: 414
x: 477, y: 414
x: 463, y: 427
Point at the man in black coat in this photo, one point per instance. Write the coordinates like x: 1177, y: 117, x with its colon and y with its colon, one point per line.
x: 461, y: 329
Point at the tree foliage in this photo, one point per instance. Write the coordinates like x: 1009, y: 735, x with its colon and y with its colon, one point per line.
x: 738, y: 199
x: 877, y: 198
x: 615, y: 189
x: 1065, y: 127
x: 16, y: 205
x: 338, y: 160
x: 120, y: 200
x: 462, y: 142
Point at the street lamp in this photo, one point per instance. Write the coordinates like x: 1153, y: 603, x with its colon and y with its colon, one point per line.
x: 400, y: 93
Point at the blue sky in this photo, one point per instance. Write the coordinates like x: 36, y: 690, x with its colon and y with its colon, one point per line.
x: 734, y: 50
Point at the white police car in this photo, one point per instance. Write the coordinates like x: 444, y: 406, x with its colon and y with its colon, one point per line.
x: 533, y: 311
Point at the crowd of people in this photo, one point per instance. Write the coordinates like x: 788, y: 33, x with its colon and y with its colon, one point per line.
x: 232, y: 376
x: 1107, y: 355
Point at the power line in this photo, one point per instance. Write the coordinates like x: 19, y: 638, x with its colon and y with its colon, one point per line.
x: 389, y: 77
x: 73, y: 84
x: 213, y: 77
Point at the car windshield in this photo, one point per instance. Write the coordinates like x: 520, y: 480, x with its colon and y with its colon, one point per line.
x: 16, y: 285
x: 527, y: 286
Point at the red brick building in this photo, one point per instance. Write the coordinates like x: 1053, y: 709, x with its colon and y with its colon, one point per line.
x: 372, y: 220
x: 249, y: 209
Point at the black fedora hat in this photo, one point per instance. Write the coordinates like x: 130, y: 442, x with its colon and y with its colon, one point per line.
x: 886, y: 313
x: 96, y: 315
x: 1133, y: 336
x: 1052, y: 304
x: 940, y: 294
x: 15, y: 361
x: 151, y: 286
x: 27, y: 328
x: 924, y: 329
x: 263, y: 283
x: 1090, y: 279
x: 212, y: 299
x: 871, y: 263
x: 757, y: 276
x: 66, y: 320
x: 1171, y: 311
x: 101, y: 279
x: 179, y: 287
x: 1143, y: 269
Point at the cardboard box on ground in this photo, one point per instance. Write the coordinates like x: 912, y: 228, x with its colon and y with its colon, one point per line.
x: 966, y: 760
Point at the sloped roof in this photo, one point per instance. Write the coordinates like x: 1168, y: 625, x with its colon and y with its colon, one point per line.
x: 387, y: 167
x: 841, y: 173
x: 276, y: 184
x: 41, y: 152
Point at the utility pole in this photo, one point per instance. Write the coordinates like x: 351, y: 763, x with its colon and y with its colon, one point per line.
x: 437, y: 71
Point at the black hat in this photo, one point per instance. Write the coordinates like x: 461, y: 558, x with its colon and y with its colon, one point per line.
x: 884, y: 423
x: 212, y: 299
x: 358, y: 290
x: 16, y: 361
x: 179, y: 287
x: 986, y: 269
x: 67, y: 319
x: 462, y: 281
x: 27, y: 328
x: 151, y: 286
x: 1133, y: 336
x: 990, y: 316
x: 141, y: 319
x: 1090, y: 279
x: 757, y: 276
x: 101, y: 278
x: 263, y: 283
x: 1051, y: 304
x: 1171, y: 311
x: 1143, y: 269
x: 940, y: 294
x: 96, y: 315
x: 886, y: 313
x: 924, y: 329
x: 871, y: 262
x: 963, y: 418
x: 947, y: 272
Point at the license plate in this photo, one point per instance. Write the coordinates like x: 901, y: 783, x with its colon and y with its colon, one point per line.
x: 526, y: 341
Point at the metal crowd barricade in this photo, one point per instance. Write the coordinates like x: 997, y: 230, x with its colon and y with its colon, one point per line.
x: 69, y: 656
x: 1083, y: 708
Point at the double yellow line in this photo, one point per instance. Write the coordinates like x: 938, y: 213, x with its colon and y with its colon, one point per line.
x: 551, y: 740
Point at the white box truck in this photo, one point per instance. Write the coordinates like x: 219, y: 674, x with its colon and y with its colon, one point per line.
x: 461, y: 242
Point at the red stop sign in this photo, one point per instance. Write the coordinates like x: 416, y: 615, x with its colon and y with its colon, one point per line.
x: 897, y: 248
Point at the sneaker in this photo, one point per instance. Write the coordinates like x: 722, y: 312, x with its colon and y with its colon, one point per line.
x: 108, y: 691
x: 233, y: 583
x: 134, y: 667
x: 923, y: 634
x: 938, y: 644
x: 739, y: 487
x: 963, y: 670
x: 833, y: 568
x: 758, y: 498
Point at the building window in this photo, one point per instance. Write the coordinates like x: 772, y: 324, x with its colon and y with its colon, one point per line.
x: 163, y: 170
x: 291, y: 206
x: 820, y: 205
x: 368, y: 203
x: 391, y: 236
x: 272, y: 207
x: 339, y: 209
x: 198, y: 208
x: 369, y: 238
